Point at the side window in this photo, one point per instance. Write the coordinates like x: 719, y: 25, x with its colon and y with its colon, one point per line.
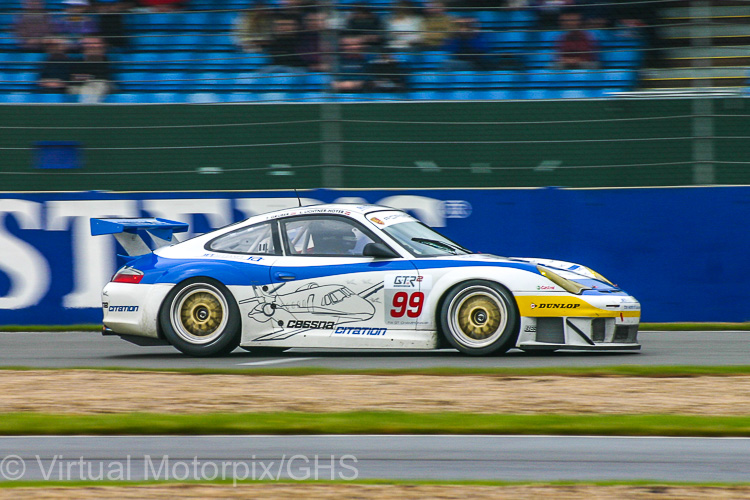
x: 324, y: 236
x: 257, y: 239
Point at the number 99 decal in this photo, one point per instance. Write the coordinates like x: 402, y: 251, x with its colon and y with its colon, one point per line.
x: 407, y: 303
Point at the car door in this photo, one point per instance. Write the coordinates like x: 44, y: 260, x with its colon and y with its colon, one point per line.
x: 327, y: 293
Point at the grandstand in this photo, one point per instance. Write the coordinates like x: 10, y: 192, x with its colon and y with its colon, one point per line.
x: 192, y: 55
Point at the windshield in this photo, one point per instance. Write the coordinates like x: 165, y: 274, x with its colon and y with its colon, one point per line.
x: 422, y: 241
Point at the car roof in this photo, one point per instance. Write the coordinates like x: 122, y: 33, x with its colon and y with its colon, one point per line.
x: 346, y: 209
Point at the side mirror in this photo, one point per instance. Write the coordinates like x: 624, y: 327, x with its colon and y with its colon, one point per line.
x: 379, y: 250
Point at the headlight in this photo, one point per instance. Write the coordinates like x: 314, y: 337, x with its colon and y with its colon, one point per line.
x: 599, y: 276
x: 564, y: 283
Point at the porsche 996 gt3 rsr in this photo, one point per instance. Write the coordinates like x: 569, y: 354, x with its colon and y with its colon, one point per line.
x: 350, y: 276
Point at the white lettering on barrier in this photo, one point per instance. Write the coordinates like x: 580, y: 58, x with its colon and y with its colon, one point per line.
x: 24, y: 265
x: 93, y: 258
x: 256, y: 206
x: 428, y: 210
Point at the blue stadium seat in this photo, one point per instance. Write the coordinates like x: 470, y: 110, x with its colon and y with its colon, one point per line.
x: 432, y: 60
x: 246, y: 81
x: 241, y: 97
x: 620, y: 58
x: 167, y: 97
x: 17, y: 98
x: 203, y: 98
x: 170, y: 81
x: 250, y: 62
x: 133, y: 80
x: 508, y: 41
x: 540, y: 79
x: 522, y: 18
x: 274, y: 97
x: 540, y: 59
x: 316, y: 81
x: 431, y: 80
x: 578, y: 78
x: 313, y: 96
x: 123, y: 98
x: 548, y: 39
x: 222, y: 21
x: 18, y: 80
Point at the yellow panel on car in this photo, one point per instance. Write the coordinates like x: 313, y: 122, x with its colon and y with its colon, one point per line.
x: 547, y: 306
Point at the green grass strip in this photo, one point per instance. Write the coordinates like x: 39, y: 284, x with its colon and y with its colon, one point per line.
x: 384, y: 482
x: 372, y: 423
x: 701, y: 327
x: 648, y: 371
x: 50, y: 328
x: 643, y: 327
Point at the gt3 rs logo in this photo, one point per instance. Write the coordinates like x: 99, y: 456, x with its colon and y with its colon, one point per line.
x: 321, y: 325
x: 554, y: 306
x: 406, y: 281
x: 123, y: 308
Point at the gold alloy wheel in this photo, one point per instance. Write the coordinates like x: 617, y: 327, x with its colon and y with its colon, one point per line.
x: 477, y: 316
x: 199, y: 313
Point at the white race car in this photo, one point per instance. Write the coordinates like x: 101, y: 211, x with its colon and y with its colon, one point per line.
x: 350, y: 276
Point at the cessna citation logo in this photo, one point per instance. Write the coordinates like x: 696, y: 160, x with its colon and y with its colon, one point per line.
x: 555, y: 306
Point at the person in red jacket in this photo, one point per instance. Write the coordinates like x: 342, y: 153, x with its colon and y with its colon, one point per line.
x: 576, y: 48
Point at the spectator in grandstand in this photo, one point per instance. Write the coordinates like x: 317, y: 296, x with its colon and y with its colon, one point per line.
x: 314, y: 41
x: 385, y: 74
x: 295, y: 9
x: 352, y: 74
x: 32, y: 25
x: 162, y: 5
x: 469, y: 49
x: 55, y: 73
x: 641, y: 21
x: 284, y: 47
x: 91, y: 76
x: 112, y: 22
x: 405, y: 27
x: 252, y: 31
x: 364, y: 23
x: 438, y: 26
x: 77, y: 22
x: 549, y: 11
x: 576, y: 48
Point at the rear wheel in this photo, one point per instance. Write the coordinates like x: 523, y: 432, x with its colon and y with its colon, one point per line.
x: 200, y: 317
x: 479, y: 318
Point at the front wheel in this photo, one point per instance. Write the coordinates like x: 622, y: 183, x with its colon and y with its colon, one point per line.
x: 200, y: 318
x: 479, y: 318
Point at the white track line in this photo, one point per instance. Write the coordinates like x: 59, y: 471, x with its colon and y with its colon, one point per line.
x: 273, y: 361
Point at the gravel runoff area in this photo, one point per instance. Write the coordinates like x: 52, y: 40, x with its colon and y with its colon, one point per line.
x: 287, y: 491
x: 102, y: 392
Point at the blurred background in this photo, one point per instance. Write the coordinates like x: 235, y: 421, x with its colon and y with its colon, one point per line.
x: 399, y: 93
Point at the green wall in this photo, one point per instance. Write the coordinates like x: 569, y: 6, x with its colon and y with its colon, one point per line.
x: 624, y: 142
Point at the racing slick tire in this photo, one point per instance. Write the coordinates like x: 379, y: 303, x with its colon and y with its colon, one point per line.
x: 479, y: 318
x: 200, y: 317
x: 264, y: 351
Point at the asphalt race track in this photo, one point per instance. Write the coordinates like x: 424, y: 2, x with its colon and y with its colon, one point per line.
x: 91, y: 349
x: 388, y: 457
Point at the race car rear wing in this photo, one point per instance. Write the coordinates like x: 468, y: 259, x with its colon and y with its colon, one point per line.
x: 130, y: 233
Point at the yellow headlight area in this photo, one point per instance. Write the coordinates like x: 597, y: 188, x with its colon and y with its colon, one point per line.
x: 564, y: 283
x: 599, y: 276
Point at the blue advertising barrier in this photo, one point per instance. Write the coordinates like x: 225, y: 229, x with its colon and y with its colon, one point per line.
x: 681, y: 251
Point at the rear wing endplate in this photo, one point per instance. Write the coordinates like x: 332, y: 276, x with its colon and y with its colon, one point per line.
x: 129, y: 232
